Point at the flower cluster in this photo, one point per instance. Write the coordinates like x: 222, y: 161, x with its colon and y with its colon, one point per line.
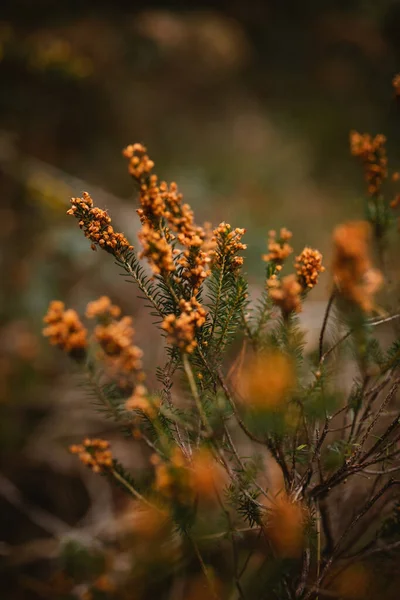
x: 207, y: 478
x: 266, y: 380
x: 285, y: 293
x: 171, y: 476
x: 228, y: 243
x: 64, y: 329
x: 195, y: 267
x: 97, y: 227
x: 157, y: 250
x: 195, y: 258
x: 117, y: 349
x: 353, y: 274
x: 308, y: 266
x: 95, y: 453
x: 285, y: 526
x: 139, y: 162
x: 139, y: 401
x: 372, y: 152
x: 184, y: 479
x: 102, y: 308
x: 165, y: 221
x: 181, y: 330
x: 278, y: 248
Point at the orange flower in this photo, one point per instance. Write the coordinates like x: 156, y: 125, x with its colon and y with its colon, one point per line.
x: 97, y: 226
x: 278, y: 249
x: 116, y: 342
x: 171, y: 476
x: 165, y: 220
x: 266, y: 380
x: 207, y: 478
x: 227, y: 244
x: 353, y: 274
x: 308, y: 266
x: 184, y: 479
x: 285, y: 293
x: 284, y: 526
x: 139, y: 401
x: 157, y: 250
x: 372, y: 153
x: 102, y: 307
x: 139, y: 162
x: 95, y: 453
x: 181, y: 329
x: 64, y: 329
x: 149, y: 523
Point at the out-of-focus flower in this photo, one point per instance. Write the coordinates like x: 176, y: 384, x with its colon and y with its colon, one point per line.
x: 148, y: 523
x: 103, y: 307
x: 140, y: 401
x: 372, y: 153
x: 278, y: 248
x: 94, y: 453
x: 285, y: 525
x: 185, y: 479
x: 266, y: 381
x: 353, y: 583
x: 207, y: 478
x: 308, y: 266
x: 198, y: 588
x: 171, y: 478
x: 285, y: 293
x: 353, y: 274
x: 64, y: 329
x: 118, y: 351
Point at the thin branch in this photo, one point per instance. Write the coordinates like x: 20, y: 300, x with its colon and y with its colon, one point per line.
x: 195, y: 394
x: 325, y: 323
x: 204, y: 569
x: 368, y: 505
x: 134, y: 492
x: 382, y: 407
x: 142, y: 286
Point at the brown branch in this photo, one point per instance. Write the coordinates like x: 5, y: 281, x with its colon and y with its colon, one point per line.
x: 367, y: 506
x: 325, y: 323
x: 376, y: 418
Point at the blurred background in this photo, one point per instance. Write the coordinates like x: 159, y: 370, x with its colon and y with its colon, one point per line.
x: 247, y: 105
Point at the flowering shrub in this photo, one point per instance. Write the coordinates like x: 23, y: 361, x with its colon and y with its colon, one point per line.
x: 256, y: 447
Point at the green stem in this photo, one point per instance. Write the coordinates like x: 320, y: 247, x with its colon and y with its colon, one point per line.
x: 227, y: 321
x: 142, y: 286
x: 195, y: 394
x: 134, y: 492
x: 218, y: 299
x: 205, y: 570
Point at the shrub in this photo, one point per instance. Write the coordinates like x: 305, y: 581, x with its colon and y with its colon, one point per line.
x: 256, y: 449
